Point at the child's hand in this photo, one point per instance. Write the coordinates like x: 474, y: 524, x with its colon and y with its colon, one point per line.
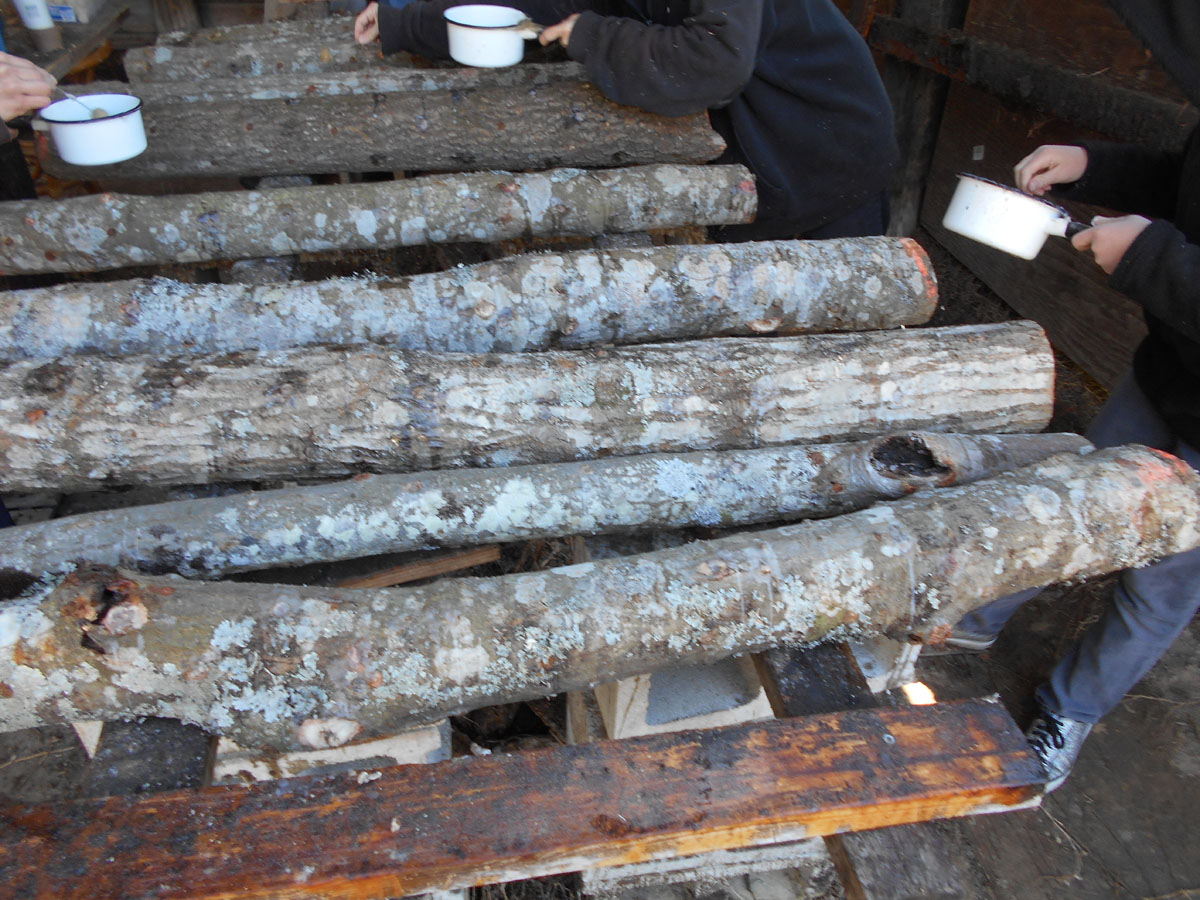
x: 1109, y: 238
x: 560, y: 32
x: 23, y: 86
x: 366, y: 25
x: 1049, y: 165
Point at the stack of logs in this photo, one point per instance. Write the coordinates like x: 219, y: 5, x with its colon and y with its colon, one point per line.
x: 593, y: 391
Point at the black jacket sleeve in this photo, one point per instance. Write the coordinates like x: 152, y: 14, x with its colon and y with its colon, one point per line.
x: 1161, y: 271
x: 672, y: 70
x: 1128, y: 178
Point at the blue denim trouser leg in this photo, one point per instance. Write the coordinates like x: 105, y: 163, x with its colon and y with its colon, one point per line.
x: 1150, y: 606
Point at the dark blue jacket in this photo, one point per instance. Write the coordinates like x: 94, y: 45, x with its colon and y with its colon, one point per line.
x: 791, y: 86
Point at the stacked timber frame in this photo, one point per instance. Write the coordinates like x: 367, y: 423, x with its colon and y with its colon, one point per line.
x: 781, y: 395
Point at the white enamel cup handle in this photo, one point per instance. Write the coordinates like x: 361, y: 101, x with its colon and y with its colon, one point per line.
x: 528, y: 29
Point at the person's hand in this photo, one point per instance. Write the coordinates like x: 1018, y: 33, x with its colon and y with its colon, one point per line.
x: 23, y: 86
x: 1109, y: 238
x: 366, y: 25
x: 1049, y: 165
x: 560, y: 32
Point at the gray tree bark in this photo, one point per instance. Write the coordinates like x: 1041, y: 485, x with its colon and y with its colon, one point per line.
x: 289, y: 50
x: 288, y: 667
x: 460, y: 507
x: 559, y: 124
x: 521, y: 303
x: 109, y: 230
x: 83, y: 422
x: 379, y: 80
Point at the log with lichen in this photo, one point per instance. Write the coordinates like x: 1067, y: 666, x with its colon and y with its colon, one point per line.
x: 287, y: 667
x: 458, y: 507
x: 296, y: 49
x: 113, y: 230
x: 373, y: 80
x: 84, y: 422
x: 531, y: 302
x: 563, y: 123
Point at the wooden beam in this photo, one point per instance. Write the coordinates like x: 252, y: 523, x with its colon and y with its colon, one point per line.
x: 1017, y: 77
x: 428, y: 568
x: 478, y: 820
x: 560, y: 124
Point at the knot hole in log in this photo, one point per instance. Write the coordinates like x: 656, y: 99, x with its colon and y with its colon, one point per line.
x: 907, y: 456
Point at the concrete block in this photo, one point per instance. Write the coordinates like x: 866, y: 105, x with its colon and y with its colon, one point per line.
x: 236, y: 765
x: 887, y: 664
x: 675, y: 699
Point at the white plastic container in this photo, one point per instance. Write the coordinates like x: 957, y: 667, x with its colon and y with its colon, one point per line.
x: 488, y: 36
x: 1005, y: 218
x: 35, y: 15
x: 85, y: 141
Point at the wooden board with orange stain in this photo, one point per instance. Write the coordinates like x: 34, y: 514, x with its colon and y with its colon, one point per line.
x: 403, y: 830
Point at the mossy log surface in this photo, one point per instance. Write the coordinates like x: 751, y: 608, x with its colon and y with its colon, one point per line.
x: 113, y: 230
x: 290, y: 667
x: 83, y: 422
x: 522, y: 303
x: 558, y: 124
x: 461, y: 507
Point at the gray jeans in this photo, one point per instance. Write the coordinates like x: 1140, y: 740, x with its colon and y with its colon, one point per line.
x: 1150, y: 606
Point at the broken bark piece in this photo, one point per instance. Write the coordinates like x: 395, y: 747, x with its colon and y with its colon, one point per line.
x: 80, y: 422
x: 294, y: 667
x: 450, y: 508
x: 539, y: 301
x: 519, y: 815
x: 115, y: 230
x: 558, y: 124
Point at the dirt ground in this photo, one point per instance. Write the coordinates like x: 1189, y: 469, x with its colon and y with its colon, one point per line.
x: 1119, y: 828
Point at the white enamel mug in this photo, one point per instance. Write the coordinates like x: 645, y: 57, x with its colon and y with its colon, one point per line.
x: 86, y: 141
x: 488, y: 36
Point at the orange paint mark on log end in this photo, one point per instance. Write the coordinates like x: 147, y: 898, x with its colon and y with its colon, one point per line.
x: 924, y: 266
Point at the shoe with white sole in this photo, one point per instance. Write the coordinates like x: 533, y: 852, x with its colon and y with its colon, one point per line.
x: 1057, y: 742
x: 961, y: 641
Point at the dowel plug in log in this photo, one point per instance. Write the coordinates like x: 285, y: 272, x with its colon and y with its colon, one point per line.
x: 290, y: 667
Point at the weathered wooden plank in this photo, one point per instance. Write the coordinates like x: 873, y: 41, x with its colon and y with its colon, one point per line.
x: 114, y: 230
x: 450, y: 508
x: 1083, y: 36
x: 498, y: 818
x: 558, y: 124
x: 79, y: 422
x: 293, y: 667
x: 1017, y: 77
x: 175, y: 15
x: 919, y: 861
x: 383, y: 80
x: 521, y: 303
x: 1062, y: 289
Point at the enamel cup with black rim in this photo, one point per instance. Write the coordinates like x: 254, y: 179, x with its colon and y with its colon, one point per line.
x: 96, y: 129
x: 488, y: 36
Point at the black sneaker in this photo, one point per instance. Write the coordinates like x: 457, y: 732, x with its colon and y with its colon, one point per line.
x: 1057, y: 741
